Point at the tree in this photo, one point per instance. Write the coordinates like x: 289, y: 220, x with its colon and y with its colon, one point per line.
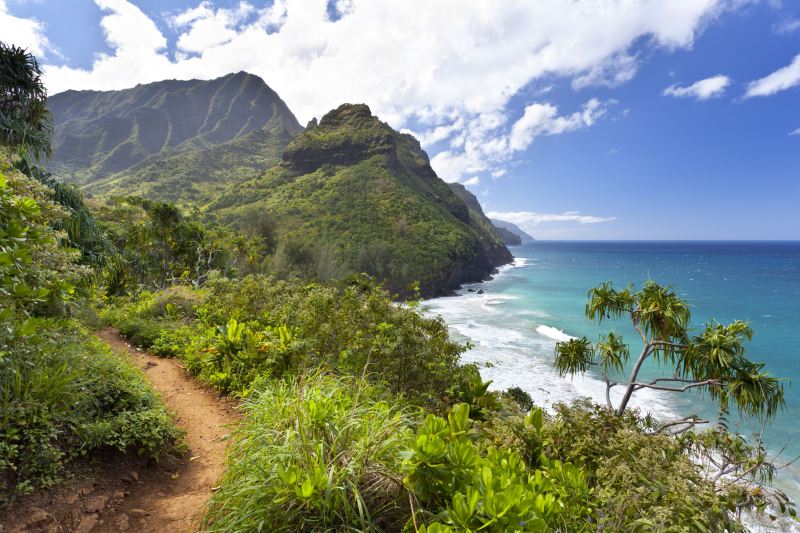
x: 713, y: 360
x: 24, y: 118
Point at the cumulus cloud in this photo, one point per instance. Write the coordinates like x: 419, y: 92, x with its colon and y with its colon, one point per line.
x: 529, y: 220
x: 780, y: 80
x: 442, y: 68
x: 700, y: 90
x: 474, y: 180
x: 488, y: 142
x: 25, y: 33
x: 204, y: 27
x: 787, y: 27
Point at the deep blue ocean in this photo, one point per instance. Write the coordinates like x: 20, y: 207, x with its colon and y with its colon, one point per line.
x: 540, y: 299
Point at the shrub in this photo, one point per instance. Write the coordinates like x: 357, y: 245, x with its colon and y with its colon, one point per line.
x: 640, y: 480
x: 522, y: 398
x: 64, y: 394
x: 176, y: 302
x: 314, y: 453
x: 141, y: 331
x: 457, y: 485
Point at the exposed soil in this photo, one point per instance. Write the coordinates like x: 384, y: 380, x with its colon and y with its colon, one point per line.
x: 129, y: 493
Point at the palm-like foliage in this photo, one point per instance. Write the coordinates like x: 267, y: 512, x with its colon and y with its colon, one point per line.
x: 714, y: 360
x: 24, y: 118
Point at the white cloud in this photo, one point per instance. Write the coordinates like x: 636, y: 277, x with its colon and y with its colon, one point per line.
x: 451, y: 66
x: 542, y: 119
x: 701, y: 90
x: 206, y: 27
x: 25, y: 33
x: 780, y: 80
x: 795, y: 132
x: 529, y: 220
x: 787, y: 26
x: 488, y: 143
x: 474, y: 180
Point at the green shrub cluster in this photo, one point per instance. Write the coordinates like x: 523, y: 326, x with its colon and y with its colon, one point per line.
x: 314, y: 453
x: 319, y: 453
x: 62, y: 393
x: 261, y: 338
x: 262, y: 326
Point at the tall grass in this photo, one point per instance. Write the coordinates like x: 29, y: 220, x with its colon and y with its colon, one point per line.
x: 314, y: 453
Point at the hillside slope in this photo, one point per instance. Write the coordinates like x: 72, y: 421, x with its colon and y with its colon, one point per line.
x: 513, y: 229
x: 357, y: 195
x: 169, y: 138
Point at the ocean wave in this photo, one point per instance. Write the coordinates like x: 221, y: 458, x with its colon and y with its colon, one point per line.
x: 553, y: 333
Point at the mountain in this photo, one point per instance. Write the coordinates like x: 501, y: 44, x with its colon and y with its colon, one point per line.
x: 352, y: 194
x: 513, y: 229
x: 509, y: 237
x: 476, y: 213
x: 175, y: 140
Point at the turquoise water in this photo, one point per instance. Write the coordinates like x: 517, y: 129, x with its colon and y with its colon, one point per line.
x: 515, y: 323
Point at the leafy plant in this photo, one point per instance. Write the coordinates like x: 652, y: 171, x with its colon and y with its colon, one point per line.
x: 457, y: 486
x: 313, y: 453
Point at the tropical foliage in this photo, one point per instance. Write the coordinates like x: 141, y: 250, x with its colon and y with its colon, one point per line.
x: 62, y: 393
x: 713, y: 360
x: 358, y: 414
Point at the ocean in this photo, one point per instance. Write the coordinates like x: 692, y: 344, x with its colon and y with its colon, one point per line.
x: 530, y: 305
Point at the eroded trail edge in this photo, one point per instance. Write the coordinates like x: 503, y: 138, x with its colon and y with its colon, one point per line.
x: 173, y: 499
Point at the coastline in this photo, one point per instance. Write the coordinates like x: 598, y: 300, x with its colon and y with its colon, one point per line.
x: 518, y: 352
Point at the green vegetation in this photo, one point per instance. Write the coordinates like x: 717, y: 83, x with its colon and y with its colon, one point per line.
x: 713, y: 361
x: 116, y: 142
x: 316, y: 453
x: 358, y: 415
x: 353, y: 195
x: 62, y: 393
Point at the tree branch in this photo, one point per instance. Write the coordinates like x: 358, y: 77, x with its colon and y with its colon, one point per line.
x: 638, y: 385
x: 690, y: 422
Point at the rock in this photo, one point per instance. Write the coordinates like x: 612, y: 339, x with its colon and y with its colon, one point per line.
x: 122, y: 523
x: 96, y: 504
x: 87, y: 524
x: 138, y: 512
x: 36, y: 520
x: 72, y: 498
x: 480, y: 291
x: 130, y: 477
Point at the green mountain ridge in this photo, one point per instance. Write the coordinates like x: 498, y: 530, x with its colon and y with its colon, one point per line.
x: 504, y: 227
x: 349, y: 194
x: 116, y: 141
x: 368, y: 195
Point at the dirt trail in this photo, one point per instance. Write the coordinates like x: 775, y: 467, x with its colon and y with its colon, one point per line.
x: 132, y: 493
x: 175, y: 502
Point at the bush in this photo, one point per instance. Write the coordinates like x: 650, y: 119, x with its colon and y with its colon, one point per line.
x: 353, y: 328
x: 640, y: 480
x: 64, y: 394
x: 458, y: 486
x: 141, y: 331
x: 176, y: 302
x: 314, y: 453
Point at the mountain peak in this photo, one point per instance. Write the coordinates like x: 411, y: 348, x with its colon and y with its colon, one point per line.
x: 347, y: 134
x: 101, y: 133
x: 348, y: 114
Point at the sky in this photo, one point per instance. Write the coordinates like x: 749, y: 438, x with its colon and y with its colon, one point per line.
x: 593, y: 119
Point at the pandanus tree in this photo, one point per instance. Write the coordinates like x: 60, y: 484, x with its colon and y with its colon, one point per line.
x: 713, y: 360
x: 24, y: 118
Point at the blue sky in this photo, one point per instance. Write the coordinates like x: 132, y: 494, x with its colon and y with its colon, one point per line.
x: 593, y: 120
